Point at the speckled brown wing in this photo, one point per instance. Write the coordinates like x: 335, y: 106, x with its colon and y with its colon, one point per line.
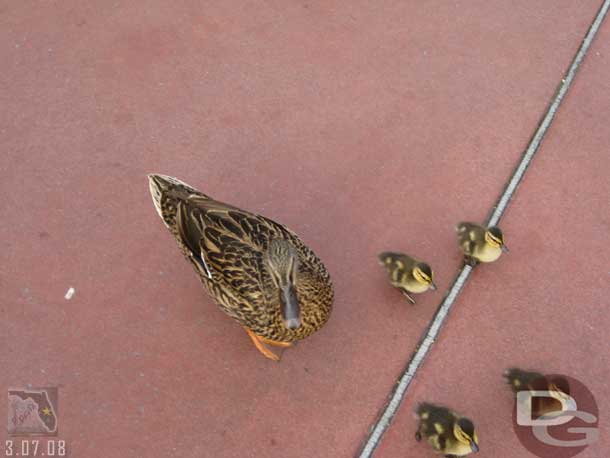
x: 228, y: 246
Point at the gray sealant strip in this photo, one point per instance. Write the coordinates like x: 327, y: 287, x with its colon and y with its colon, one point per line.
x: 432, y: 332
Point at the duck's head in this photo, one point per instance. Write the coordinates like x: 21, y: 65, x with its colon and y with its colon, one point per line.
x: 282, y: 263
x: 463, y: 430
x: 560, y: 386
x: 495, y: 238
x: 423, y: 274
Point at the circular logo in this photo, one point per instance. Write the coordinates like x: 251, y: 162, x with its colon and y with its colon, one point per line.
x: 557, y: 417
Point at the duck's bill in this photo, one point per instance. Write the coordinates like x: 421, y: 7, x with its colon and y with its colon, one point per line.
x: 474, y: 447
x: 291, y: 310
x: 433, y: 286
x: 505, y: 248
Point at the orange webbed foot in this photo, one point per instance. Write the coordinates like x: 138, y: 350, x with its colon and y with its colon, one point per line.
x: 258, y: 343
x: 276, y: 343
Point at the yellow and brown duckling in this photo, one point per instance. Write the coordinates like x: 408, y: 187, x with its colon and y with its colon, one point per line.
x: 446, y: 431
x: 558, y: 389
x: 480, y: 244
x: 408, y: 274
x: 259, y: 272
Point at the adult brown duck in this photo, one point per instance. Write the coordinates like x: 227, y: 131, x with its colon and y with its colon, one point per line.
x: 258, y: 271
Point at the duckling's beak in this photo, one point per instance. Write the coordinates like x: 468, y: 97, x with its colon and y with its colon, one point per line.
x: 474, y: 447
x: 433, y: 286
x: 291, y: 309
x: 505, y: 248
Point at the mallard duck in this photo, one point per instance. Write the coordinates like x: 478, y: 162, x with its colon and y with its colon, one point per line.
x: 258, y: 271
x: 480, y: 244
x: 446, y: 431
x: 558, y: 389
x: 408, y: 274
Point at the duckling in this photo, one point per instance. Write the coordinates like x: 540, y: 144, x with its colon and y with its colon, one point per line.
x: 408, y: 274
x: 480, y: 244
x: 446, y: 431
x: 558, y: 388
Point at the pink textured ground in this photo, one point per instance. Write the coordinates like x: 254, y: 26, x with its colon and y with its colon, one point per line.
x: 363, y: 128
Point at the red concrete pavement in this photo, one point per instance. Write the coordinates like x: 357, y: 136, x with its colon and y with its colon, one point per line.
x: 545, y: 305
x: 363, y: 128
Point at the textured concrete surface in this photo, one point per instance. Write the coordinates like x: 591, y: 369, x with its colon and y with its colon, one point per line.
x: 363, y: 128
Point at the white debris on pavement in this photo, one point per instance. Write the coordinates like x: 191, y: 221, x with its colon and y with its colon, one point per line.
x: 70, y: 293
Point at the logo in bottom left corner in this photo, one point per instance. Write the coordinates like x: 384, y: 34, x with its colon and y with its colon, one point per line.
x: 32, y: 411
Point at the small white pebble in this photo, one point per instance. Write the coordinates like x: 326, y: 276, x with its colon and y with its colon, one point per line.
x: 70, y: 293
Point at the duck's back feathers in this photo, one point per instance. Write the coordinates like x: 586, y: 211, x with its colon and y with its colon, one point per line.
x: 465, y: 226
x: 431, y: 414
x: 520, y: 380
x: 436, y: 425
x: 398, y: 266
x: 469, y: 234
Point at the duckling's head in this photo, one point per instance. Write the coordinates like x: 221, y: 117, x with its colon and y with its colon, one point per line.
x: 559, y: 389
x: 282, y: 263
x: 423, y: 274
x: 463, y: 430
x: 495, y: 238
